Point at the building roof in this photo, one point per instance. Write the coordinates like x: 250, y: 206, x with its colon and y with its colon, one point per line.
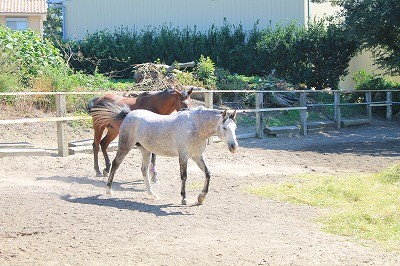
x: 23, y: 6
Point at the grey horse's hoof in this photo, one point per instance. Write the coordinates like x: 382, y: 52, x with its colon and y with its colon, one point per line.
x: 98, y: 174
x: 184, y: 202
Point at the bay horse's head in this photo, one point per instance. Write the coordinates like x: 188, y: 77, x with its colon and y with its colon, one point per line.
x: 180, y: 98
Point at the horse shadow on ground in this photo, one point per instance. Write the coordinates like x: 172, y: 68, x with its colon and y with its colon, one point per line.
x: 122, y: 204
x: 117, y: 185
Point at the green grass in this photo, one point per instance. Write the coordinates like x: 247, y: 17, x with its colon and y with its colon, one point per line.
x: 363, y: 207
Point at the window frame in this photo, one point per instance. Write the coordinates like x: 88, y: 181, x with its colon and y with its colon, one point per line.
x: 18, y: 22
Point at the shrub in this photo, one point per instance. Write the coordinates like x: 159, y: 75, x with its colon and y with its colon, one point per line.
x: 366, y: 81
x: 205, y: 71
x: 28, y: 50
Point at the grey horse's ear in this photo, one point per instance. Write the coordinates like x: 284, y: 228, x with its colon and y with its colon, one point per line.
x: 224, y: 114
x: 233, y: 116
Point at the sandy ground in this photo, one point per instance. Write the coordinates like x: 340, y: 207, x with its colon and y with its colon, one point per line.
x: 54, y: 211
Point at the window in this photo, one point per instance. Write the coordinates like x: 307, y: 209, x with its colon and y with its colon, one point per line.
x: 17, y: 23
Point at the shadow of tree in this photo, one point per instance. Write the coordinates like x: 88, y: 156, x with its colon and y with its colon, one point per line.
x: 376, y: 141
x: 122, y: 204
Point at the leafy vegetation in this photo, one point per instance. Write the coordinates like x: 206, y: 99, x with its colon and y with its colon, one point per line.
x: 316, y: 56
x: 28, y: 63
x: 376, y: 24
x: 360, y: 206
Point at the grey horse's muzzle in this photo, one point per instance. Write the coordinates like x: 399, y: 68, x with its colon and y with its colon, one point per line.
x: 232, y: 147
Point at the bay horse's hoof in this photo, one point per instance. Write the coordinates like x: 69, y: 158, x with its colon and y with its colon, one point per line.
x: 105, y: 173
x: 184, y: 202
x: 200, y: 198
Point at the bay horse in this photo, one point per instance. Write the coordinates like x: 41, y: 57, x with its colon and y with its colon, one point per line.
x: 161, y: 102
x: 183, y: 134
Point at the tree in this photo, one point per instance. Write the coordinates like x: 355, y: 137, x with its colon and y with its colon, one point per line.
x: 53, y: 27
x: 376, y: 25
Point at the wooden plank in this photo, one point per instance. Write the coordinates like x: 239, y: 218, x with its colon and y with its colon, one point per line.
x: 23, y: 152
x: 354, y: 122
x: 281, y: 130
x: 259, y: 115
x: 320, y: 124
x: 303, y: 114
x: 61, y: 110
x: 88, y: 149
x: 46, y: 119
x: 15, y: 145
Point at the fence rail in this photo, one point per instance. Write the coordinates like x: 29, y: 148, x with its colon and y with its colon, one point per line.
x: 61, y: 118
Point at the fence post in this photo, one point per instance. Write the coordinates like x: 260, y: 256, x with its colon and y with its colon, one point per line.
x: 336, y: 99
x: 303, y: 114
x: 209, y: 103
x: 61, y: 126
x: 368, y: 100
x: 259, y: 115
x: 389, y: 105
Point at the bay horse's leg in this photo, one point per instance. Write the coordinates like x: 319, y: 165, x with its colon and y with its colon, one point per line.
x: 202, y: 165
x: 105, y: 142
x: 121, y: 153
x: 154, y: 177
x: 183, y: 161
x: 146, y: 157
x: 98, y: 132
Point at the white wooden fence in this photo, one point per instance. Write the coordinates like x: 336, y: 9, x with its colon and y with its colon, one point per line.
x: 61, y: 119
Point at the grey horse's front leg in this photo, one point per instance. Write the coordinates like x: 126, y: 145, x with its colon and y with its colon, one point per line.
x: 183, y: 161
x: 202, y: 165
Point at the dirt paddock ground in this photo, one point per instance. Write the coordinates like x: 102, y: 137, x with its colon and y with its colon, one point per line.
x: 54, y: 211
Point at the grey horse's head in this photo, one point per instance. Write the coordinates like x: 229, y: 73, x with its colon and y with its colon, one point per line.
x: 227, y: 131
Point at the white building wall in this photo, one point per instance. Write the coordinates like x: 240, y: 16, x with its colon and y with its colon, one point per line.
x: 88, y: 16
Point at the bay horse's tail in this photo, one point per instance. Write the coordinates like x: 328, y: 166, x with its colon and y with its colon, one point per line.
x: 107, y: 112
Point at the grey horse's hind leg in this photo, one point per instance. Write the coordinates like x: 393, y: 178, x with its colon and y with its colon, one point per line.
x: 154, y: 177
x: 146, y: 155
x: 121, y: 153
x: 202, y: 165
x: 183, y: 161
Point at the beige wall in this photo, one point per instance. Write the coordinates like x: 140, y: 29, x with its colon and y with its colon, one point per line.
x: 365, y: 62
x: 35, y: 22
x: 84, y: 16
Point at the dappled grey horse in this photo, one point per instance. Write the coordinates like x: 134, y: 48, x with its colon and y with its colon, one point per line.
x: 183, y: 134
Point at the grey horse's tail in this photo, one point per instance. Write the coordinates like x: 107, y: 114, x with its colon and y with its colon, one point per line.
x: 91, y: 104
x: 104, y: 112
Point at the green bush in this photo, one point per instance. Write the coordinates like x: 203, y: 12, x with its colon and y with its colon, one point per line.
x: 316, y: 56
x: 205, y: 71
x: 28, y: 50
x: 366, y: 81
